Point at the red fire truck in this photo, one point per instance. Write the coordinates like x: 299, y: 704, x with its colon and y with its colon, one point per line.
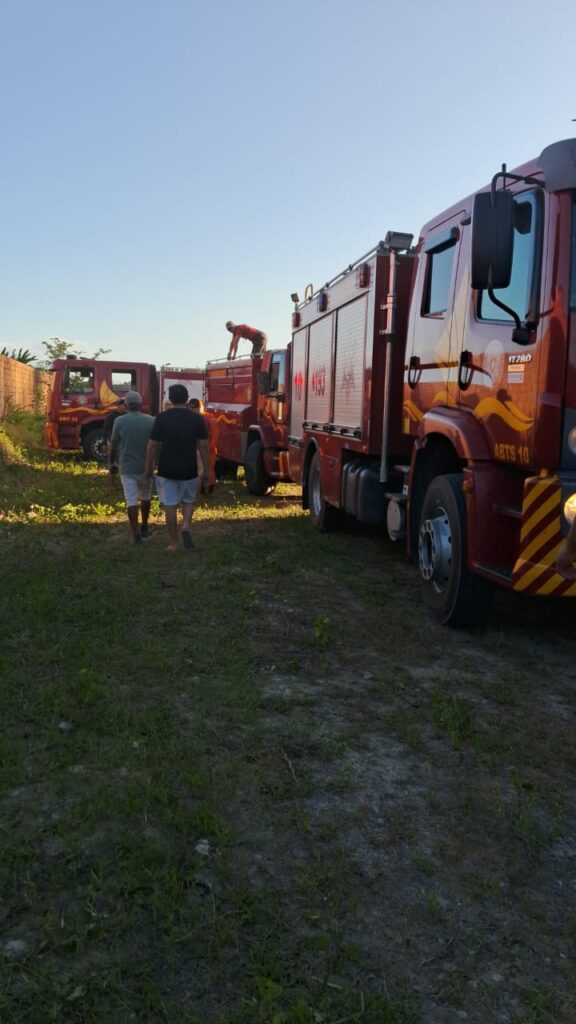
x: 434, y: 389
x: 85, y: 390
x: 249, y: 400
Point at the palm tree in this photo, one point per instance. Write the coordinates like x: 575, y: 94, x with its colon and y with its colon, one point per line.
x: 23, y: 355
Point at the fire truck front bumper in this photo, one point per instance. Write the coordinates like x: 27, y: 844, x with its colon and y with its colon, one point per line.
x: 548, y: 506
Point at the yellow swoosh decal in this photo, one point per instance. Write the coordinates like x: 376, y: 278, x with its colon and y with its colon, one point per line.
x: 509, y: 413
x: 444, y: 397
x: 412, y: 410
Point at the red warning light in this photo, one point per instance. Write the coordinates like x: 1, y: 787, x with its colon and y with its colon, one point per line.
x: 363, y: 275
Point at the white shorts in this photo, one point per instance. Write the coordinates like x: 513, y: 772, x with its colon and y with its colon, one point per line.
x: 136, y: 488
x: 177, y: 492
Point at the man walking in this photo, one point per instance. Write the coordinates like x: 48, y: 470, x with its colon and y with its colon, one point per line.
x: 172, y: 448
x: 127, y: 455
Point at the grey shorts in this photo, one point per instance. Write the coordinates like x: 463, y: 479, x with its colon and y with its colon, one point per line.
x: 177, y: 492
x: 136, y: 488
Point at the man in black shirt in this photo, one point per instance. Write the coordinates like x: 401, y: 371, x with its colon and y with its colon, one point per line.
x: 172, y: 448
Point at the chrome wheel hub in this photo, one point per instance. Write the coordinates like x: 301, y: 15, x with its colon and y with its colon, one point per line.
x: 435, y: 550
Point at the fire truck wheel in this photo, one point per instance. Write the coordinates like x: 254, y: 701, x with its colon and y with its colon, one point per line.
x: 256, y: 480
x: 94, y: 446
x: 323, y: 515
x: 456, y: 596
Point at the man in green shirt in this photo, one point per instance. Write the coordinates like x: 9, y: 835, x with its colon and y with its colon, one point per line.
x: 128, y: 457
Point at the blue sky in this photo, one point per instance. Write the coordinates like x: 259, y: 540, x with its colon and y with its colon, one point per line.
x: 168, y: 165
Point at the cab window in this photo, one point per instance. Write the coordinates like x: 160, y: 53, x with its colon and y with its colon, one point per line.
x: 519, y: 294
x: 123, y: 380
x: 79, y: 380
x: 439, y: 267
x: 277, y: 379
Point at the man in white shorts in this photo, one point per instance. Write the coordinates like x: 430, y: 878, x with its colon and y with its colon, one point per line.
x: 172, y: 448
x: 128, y: 456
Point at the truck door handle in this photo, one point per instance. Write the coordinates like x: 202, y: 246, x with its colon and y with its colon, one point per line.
x: 465, y: 370
x: 414, y: 371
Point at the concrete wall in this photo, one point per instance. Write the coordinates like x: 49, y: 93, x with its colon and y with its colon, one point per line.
x: 23, y: 386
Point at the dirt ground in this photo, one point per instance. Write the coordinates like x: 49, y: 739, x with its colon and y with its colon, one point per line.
x: 436, y: 779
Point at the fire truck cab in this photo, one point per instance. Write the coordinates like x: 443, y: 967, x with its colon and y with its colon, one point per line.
x: 249, y: 400
x: 84, y: 391
x: 490, y: 389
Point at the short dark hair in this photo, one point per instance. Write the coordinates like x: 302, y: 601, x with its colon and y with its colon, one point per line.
x: 178, y: 394
x: 194, y: 403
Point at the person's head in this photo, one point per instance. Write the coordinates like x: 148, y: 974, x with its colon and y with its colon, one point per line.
x: 178, y: 394
x: 195, y: 405
x: 133, y: 401
x: 166, y: 404
x: 230, y: 325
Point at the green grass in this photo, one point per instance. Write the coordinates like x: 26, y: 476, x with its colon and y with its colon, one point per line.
x: 255, y: 783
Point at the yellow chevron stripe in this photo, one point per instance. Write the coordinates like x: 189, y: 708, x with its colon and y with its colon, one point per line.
x: 537, y: 569
x: 529, y: 577
x: 536, y: 491
x: 540, y: 540
x: 540, y: 513
x: 551, y: 585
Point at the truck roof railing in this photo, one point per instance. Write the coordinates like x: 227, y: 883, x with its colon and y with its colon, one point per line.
x: 396, y: 241
x: 215, y: 362
x: 181, y: 369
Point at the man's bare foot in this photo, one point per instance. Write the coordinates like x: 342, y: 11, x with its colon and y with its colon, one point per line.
x: 172, y: 548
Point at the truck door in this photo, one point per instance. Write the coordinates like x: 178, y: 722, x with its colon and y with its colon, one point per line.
x: 498, y: 379
x: 276, y: 399
x: 431, y: 361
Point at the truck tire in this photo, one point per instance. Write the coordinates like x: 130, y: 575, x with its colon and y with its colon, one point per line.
x: 256, y: 480
x: 455, y: 596
x: 94, y: 445
x: 323, y: 516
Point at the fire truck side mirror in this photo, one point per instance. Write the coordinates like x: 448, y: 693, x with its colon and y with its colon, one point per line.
x: 263, y: 383
x: 492, y: 239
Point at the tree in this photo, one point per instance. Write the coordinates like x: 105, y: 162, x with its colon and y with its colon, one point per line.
x: 23, y: 355
x: 56, y: 348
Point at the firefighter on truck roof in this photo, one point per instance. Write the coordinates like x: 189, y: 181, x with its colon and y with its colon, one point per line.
x: 258, y: 338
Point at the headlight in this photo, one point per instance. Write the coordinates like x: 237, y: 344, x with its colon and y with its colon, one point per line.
x: 570, y: 508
